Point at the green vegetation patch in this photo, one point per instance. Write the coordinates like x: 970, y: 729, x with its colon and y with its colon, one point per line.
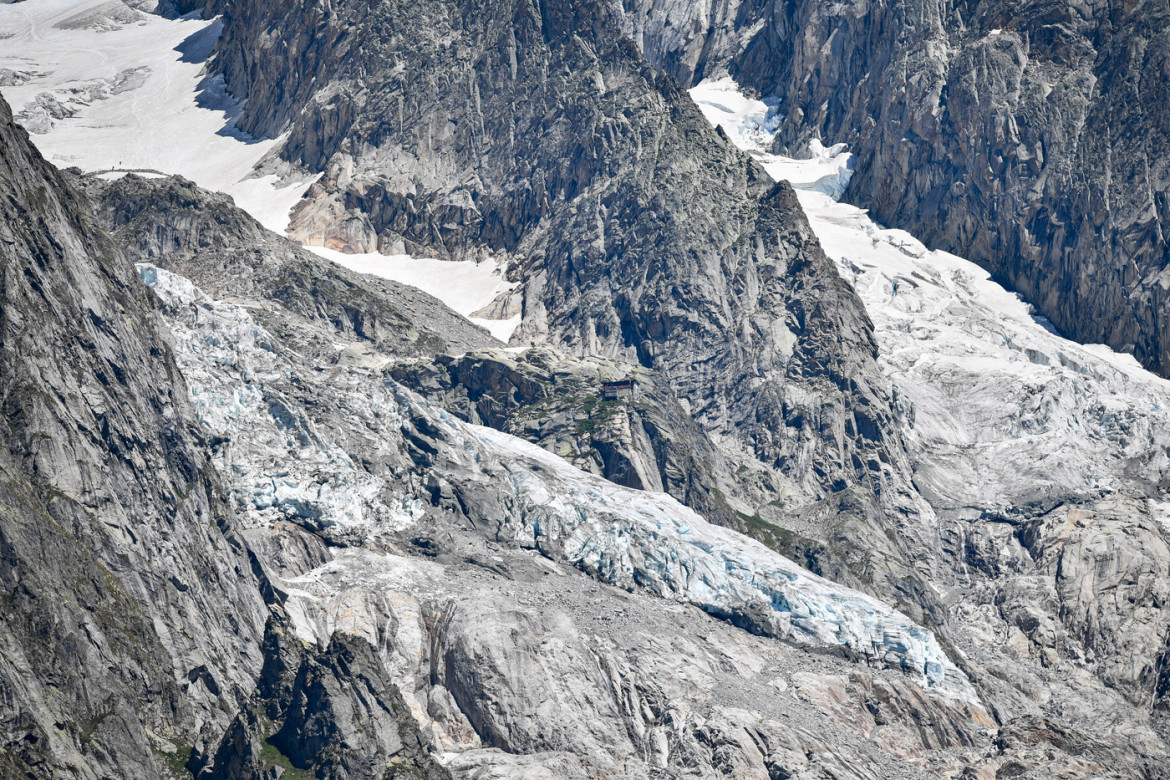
x: 271, y: 756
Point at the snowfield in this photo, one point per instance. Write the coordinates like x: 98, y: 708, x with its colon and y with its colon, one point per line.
x: 101, y: 86
x: 465, y: 286
x: 104, y: 87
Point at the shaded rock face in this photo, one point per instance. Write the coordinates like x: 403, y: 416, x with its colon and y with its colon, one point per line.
x: 131, y: 616
x: 637, y: 233
x: 646, y: 442
x: 332, y: 711
x: 1024, y: 136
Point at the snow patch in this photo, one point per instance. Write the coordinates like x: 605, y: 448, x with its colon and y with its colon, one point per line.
x: 465, y: 286
x: 752, y: 124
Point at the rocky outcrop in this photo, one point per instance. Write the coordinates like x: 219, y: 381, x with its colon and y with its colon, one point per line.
x: 1019, y: 135
x: 130, y: 615
x: 443, y: 585
x: 331, y: 712
x: 645, y: 441
x: 649, y: 442
x: 205, y: 237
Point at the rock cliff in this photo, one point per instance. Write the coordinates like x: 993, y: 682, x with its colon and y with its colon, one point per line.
x: 1023, y: 136
x: 131, y: 611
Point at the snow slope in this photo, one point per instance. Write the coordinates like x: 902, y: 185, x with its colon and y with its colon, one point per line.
x: 999, y: 410
x: 104, y: 87
x: 101, y: 86
x: 465, y: 286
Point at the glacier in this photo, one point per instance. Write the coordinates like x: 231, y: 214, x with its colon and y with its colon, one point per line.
x: 998, y: 410
x: 281, y: 464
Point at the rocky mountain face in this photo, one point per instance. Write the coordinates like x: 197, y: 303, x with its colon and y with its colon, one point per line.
x: 636, y: 233
x: 273, y: 518
x: 448, y: 599
x: 1024, y: 136
x: 618, y: 275
x: 376, y: 515
x: 132, y: 613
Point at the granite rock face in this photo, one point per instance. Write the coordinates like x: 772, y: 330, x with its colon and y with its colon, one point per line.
x: 1028, y: 607
x: 636, y: 232
x: 1024, y: 136
x: 330, y: 711
x: 131, y: 614
x: 134, y: 611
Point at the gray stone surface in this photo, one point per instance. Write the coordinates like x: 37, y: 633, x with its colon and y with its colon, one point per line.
x: 130, y: 615
x: 445, y: 599
x: 1026, y: 136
